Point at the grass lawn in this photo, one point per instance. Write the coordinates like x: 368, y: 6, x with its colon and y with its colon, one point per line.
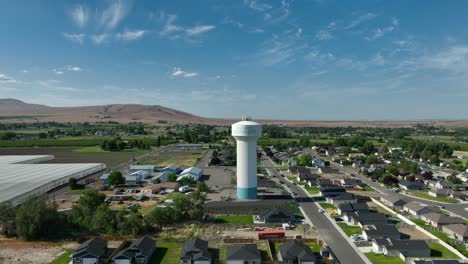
x: 326, y: 206
x: 419, y: 222
x: 64, y: 258
x: 381, y: 259
x: 444, y: 237
x: 95, y: 149
x: 292, y: 178
x: 312, y: 190
x: 350, y: 230
x: 368, y: 189
x: 425, y: 195
x: 167, y: 252
x: 437, y: 250
x: 234, y: 219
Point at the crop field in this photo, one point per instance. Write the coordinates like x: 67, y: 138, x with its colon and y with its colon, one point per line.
x: 169, y: 157
x: 77, y: 155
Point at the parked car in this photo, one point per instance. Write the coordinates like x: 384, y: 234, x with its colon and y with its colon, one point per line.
x: 357, y: 237
x: 321, y: 210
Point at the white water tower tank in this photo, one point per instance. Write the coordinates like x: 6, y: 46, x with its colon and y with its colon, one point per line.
x: 246, y: 133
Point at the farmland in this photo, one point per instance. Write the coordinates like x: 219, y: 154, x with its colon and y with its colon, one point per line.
x: 169, y: 157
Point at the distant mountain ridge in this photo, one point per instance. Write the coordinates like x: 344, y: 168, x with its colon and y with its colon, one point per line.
x: 16, y: 111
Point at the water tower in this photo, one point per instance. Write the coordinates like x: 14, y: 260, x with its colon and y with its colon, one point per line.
x: 246, y: 133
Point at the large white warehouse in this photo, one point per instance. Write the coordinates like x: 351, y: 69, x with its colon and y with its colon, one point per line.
x: 21, y: 177
x: 246, y: 133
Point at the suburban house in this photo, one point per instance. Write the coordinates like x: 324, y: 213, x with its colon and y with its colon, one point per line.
x: 362, y: 219
x: 416, y: 209
x: 318, y: 163
x: 296, y: 170
x: 435, y: 261
x: 275, y: 216
x: 91, y: 251
x: 395, y: 247
x: 148, y: 168
x: 457, y: 231
x: 393, y: 201
x: 439, y: 192
x: 441, y: 174
x: 193, y: 172
x: 341, y: 199
x: 171, y: 168
x: 463, y: 176
x: 351, y: 183
x: 188, y: 146
x: 196, y: 252
x: 294, y: 252
x: 157, y: 188
x: 328, y: 170
x: 325, y: 182
x: 103, y: 178
x: 136, y: 177
x: 309, y: 178
x: 438, y: 220
x: 331, y: 190
x: 443, y: 185
x: 409, y: 186
x: 243, y: 253
x: 458, y: 195
x: 381, y: 232
x: 139, y: 252
x: 352, y: 207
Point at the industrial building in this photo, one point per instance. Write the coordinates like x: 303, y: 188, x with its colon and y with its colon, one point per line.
x: 21, y: 176
x: 194, y: 172
x: 246, y: 133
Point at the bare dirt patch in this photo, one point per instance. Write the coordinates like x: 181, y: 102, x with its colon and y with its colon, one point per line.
x: 13, y: 251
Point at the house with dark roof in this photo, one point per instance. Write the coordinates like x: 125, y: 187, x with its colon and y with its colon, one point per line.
x: 416, y: 209
x: 439, y: 192
x: 352, y: 207
x: 363, y: 219
x: 243, y: 253
x: 140, y: 251
x: 91, y: 251
x: 275, y: 216
x: 438, y: 220
x: 408, y: 185
x: 196, y: 252
x: 295, y: 252
x: 331, y: 190
x: 324, y: 182
x: 395, y: 247
x: 457, y: 231
x: 393, y: 201
x: 342, y: 199
x: 381, y: 232
x: 434, y: 261
x: 444, y: 185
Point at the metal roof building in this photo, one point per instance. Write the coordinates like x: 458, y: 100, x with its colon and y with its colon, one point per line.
x: 21, y: 177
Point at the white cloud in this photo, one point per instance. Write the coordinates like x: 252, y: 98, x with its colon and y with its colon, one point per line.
x: 169, y: 26
x: 454, y: 59
x: 114, y: 14
x: 283, y: 49
x: 380, y: 32
x: 178, y: 72
x: 74, y: 68
x: 100, y: 38
x: 131, y: 35
x: 78, y: 38
x: 80, y: 15
x: 257, y: 5
x: 196, y: 30
x: 360, y: 20
x: 24, y: 71
x: 57, y: 71
x: 378, y: 59
x: 323, y: 35
x: 6, y: 79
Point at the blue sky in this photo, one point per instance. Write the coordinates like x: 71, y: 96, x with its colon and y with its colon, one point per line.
x: 309, y: 59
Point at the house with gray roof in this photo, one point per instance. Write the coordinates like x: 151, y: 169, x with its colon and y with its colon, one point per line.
x: 91, y: 251
x: 405, y: 247
x: 243, y: 253
x: 275, y: 216
x: 416, y: 209
x: 393, y: 201
x: 352, y: 207
x: 295, y: 252
x: 456, y: 231
x: 381, y: 232
x: 196, y: 252
x: 435, y: 261
x: 363, y: 219
x: 341, y: 199
x: 438, y: 220
x: 140, y: 251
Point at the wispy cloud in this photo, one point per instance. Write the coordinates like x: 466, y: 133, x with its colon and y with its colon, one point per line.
x: 57, y: 71
x: 283, y: 49
x: 80, y: 15
x: 323, y: 35
x: 74, y: 68
x: 171, y: 29
x: 178, y: 72
x: 6, y: 79
x: 78, y: 38
x: 279, y: 14
x: 131, y: 35
x: 196, y: 30
x: 100, y: 38
x: 115, y: 13
x: 453, y: 59
x: 361, y: 19
x: 257, y: 5
x: 380, y: 32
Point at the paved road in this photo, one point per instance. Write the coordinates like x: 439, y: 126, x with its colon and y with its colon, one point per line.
x: 457, y: 209
x: 328, y: 232
x: 205, y: 159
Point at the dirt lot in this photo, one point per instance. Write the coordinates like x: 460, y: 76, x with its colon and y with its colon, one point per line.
x: 183, y: 158
x: 12, y: 251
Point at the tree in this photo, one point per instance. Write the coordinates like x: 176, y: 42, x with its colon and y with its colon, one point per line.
x: 186, y: 181
x: 202, y: 186
x: 368, y: 148
x: 37, y: 219
x: 172, y: 177
x: 103, y: 220
x: 158, y: 141
x: 42, y: 135
x: 371, y: 160
x: 7, y: 217
x: 389, y: 180
x: 162, y: 216
x: 304, y: 160
x: 116, y: 178
x: 73, y: 184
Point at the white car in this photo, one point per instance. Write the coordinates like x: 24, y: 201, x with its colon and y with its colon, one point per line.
x: 321, y: 210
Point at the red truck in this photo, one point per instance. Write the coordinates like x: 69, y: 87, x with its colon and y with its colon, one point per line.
x: 270, y: 234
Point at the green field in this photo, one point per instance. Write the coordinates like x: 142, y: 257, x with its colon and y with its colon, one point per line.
x: 425, y: 195
x: 350, y: 230
x: 437, y: 250
x: 234, y: 219
x: 64, y: 258
x: 381, y: 259
x: 71, y: 142
x: 167, y: 252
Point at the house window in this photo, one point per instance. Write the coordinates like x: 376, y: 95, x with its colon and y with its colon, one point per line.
x: 77, y: 260
x: 141, y: 260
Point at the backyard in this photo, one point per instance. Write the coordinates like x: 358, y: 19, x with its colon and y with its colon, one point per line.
x: 425, y: 195
x: 350, y: 230
x: 234, y: 219
x: 381, y: 259
x: 437, y: 250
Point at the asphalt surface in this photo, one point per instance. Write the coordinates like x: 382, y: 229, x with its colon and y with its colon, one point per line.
x: 328, y: 232
x: 456, y: 209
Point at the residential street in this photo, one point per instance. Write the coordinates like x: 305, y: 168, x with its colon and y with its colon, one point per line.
x: 328, y: 233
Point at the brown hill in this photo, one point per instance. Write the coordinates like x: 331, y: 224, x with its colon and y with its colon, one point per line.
x: 15, y: 111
